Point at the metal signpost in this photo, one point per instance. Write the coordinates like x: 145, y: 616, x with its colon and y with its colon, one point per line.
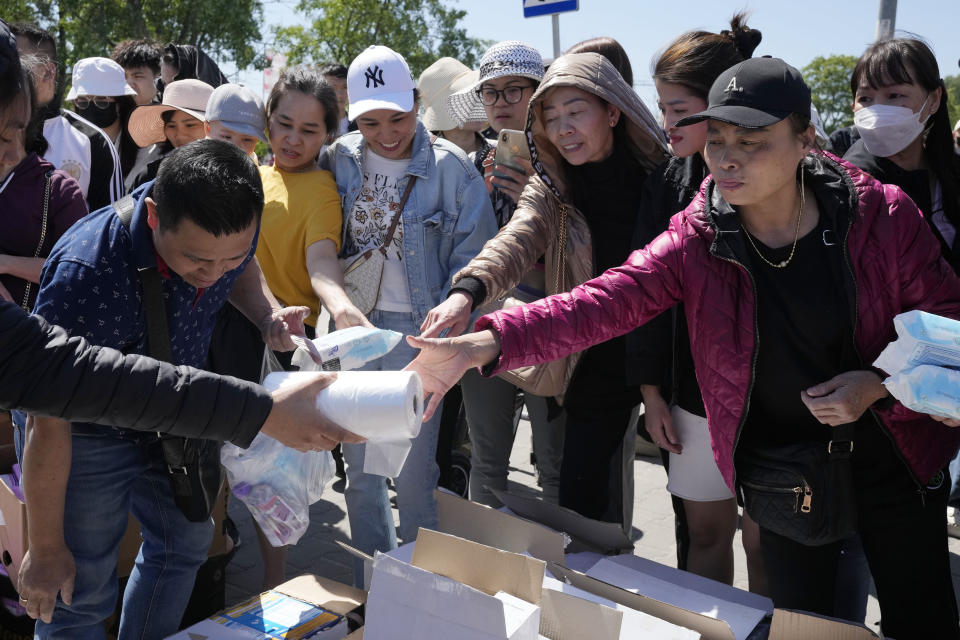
x: 533, y: 8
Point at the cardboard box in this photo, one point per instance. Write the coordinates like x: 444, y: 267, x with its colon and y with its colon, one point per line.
x: 671, y: 607
x: 307, y: 606
x: 14, y: 540
x: 454, y: 588
x: 479, y: 576
x: 587, y: 533
x: 793, y: 625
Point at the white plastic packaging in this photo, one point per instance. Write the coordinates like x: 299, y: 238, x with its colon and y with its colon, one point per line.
x: 927, y: 389
x: 346, y: 349
x: 385, y: 407
x: 278, y: 484
x: 923, y: 338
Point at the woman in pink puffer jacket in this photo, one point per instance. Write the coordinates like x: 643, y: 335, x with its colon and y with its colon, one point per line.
x: 791, y: 266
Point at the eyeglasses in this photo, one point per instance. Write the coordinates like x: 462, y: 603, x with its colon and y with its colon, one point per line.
x: 511, y: 95
x: 100, y: 103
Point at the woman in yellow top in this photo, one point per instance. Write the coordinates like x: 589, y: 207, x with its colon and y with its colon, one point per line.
x: 300, y: 232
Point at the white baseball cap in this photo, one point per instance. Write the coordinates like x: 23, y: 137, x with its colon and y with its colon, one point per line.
x: 379, y: 78
x: 98, y: 77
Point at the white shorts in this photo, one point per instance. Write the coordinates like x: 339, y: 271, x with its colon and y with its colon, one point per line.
x: 694, y: 474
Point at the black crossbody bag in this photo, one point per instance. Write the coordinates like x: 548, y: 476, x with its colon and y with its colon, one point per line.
x: 803, y: 492
x: 193, y: 464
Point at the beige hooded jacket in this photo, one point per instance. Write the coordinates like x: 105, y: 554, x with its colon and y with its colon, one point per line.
x: 534, y: 229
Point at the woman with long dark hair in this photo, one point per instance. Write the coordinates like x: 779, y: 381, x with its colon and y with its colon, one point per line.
x: 900, y: 111
x: 660, y: 358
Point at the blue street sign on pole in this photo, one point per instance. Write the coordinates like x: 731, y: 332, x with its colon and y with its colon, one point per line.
x: 532, y: 8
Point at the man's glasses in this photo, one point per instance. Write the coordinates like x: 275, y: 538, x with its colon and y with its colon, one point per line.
x: 511, y: 95
x: 100, y: 103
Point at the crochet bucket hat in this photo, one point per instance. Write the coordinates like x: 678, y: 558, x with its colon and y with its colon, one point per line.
x: 508, y: 58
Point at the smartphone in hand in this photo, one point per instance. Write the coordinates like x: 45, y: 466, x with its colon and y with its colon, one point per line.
x: 511, y: 144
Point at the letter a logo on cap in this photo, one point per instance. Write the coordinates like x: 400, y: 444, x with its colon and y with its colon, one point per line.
x: 733, y: 85
x: 374, y: 75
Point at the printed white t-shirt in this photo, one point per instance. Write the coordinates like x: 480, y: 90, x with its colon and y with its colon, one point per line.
x: 373, y: 212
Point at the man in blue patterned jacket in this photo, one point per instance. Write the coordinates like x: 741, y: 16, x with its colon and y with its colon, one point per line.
x: 197, y: 224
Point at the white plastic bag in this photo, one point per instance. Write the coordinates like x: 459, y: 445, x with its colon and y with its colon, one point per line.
x: 278, y: 484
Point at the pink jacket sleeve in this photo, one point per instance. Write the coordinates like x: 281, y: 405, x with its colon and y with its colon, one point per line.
x: 610, y: 305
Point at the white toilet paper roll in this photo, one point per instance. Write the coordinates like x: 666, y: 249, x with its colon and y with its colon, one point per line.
x: 385, y: 407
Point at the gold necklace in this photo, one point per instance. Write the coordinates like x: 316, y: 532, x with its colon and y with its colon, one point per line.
x: 796, y: 235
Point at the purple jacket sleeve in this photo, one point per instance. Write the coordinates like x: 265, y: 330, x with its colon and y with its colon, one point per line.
x: 610, y: 305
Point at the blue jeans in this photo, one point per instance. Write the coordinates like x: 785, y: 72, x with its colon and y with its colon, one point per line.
x: 368, y: 506
x: 115, y: 473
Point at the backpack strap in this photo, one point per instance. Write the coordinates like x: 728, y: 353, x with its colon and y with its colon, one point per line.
x: 158, y: 333
x: 124, y: 209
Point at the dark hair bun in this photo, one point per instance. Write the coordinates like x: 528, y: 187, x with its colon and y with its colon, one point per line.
x: 745, y: 39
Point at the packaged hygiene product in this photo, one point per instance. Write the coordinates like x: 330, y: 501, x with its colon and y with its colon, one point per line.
x: 927, y: 389
x: 345, y: 349
x: 923, y: 338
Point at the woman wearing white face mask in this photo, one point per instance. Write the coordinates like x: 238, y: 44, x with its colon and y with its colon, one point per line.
x: 900, y: 111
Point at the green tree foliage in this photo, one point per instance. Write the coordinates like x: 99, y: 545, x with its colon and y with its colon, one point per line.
x: 953, y: 95
x: 226, y: 29
x: 338, y: 30
x: 829, y: 80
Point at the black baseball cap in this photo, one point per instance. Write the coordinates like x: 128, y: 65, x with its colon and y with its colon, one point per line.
x: 755, y: 93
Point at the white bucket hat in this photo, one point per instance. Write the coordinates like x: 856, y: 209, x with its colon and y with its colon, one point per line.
x: 437, y: 82
x: 379, y: 78
x: 98, y: 77
x: 190, y: 96
x: 507, y: 58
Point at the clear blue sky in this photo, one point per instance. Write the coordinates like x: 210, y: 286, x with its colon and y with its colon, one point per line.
x: 796, y: 31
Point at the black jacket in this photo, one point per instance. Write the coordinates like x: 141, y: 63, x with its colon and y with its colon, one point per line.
x: 44, y: 371
x: 659, y: 351
x: 916, y: 184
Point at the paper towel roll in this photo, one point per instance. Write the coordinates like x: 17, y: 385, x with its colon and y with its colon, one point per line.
x: 378, y: 405
x: 385, y: 407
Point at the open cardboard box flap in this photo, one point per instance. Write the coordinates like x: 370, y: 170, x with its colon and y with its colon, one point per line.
x: 709, y: 628
x: 605, y: 537
x: 328, y: 594
x: 567, y: 617
x: 791, y: 625
x: 480, y: 523
x: 482, y: 567
x: 488, y: 569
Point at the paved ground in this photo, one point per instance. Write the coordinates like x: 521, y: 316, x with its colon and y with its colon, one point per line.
x: 318, y: 552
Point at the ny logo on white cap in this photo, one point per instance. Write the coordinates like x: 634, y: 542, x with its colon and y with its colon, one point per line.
x: 374, y: 75
x: 732, y: 86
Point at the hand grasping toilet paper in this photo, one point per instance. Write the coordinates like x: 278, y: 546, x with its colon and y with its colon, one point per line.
x: 385, y: 407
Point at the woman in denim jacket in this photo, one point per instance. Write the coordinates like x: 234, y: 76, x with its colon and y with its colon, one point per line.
x: 444, y: 224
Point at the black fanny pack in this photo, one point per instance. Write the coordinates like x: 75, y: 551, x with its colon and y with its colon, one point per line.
x: 803, y: 492
x: 193, y: 464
